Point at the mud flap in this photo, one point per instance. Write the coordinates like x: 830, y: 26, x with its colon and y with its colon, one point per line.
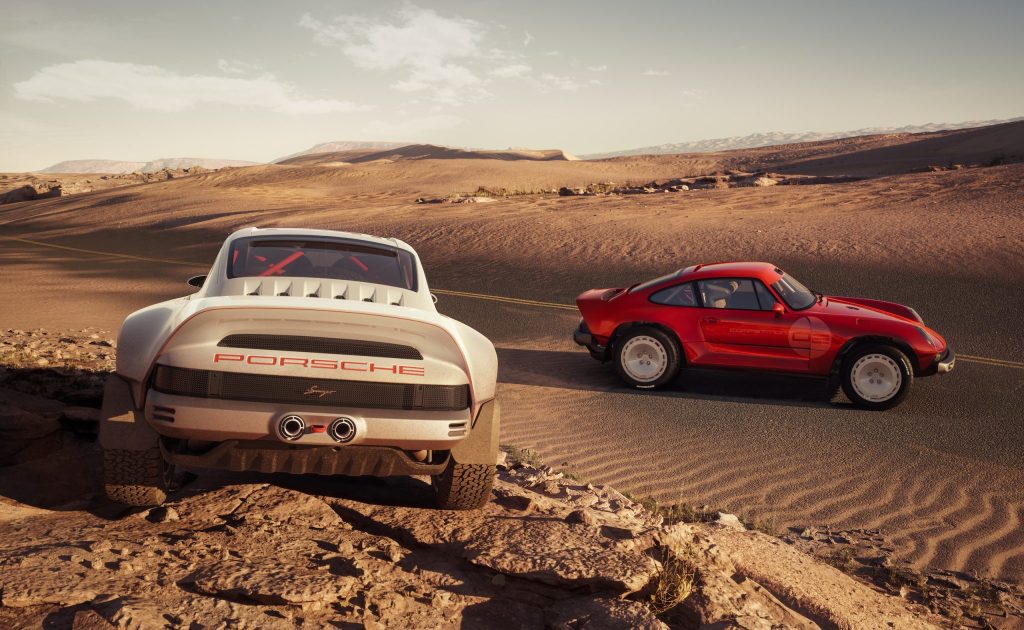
x: 481, y: 447
x: 122, y: 425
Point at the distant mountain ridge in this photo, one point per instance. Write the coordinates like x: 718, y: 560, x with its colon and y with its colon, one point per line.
x: 778, y: 137
x: 118, y: 167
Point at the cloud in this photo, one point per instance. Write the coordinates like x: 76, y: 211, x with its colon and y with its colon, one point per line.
x: 234, y: 66
x: 157, y: 89
x: 432, y: 50
x: 527, y: 38
x: 600, y: 68
x: 561, y: 82
x: 511, y: 71
x: 405, y: 127
x: 656, y: 73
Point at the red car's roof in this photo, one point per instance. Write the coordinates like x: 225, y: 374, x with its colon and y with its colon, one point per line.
x: 766, y: 272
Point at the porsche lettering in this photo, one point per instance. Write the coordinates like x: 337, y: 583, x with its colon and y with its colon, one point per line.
x: 320, y: 364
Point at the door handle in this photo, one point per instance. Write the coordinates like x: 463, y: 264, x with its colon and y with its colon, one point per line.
x: 710, y: 320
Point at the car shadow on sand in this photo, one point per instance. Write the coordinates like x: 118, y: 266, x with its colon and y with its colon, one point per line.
x: 578, y: 371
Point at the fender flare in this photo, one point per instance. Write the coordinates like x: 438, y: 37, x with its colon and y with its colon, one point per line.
x: 902, y: 346
x: 622, y: 328
x: 481, y: 447
x: 123, y: 426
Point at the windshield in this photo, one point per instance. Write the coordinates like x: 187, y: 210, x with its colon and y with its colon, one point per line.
x: 795, y: 295
x: 328, y: 259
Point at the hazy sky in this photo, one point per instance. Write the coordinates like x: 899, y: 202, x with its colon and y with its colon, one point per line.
x: 245, y: 79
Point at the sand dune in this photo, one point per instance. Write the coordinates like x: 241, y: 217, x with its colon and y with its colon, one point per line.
x: 776, y: 138
x: 426, y: 152
x: 869, y: 156
x: 942, y: 474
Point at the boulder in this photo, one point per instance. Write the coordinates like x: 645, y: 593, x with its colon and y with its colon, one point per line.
x: 30, y: 192
x: 18, y: 424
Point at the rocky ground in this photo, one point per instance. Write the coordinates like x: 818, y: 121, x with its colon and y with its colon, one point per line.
x: 15, y: 187
x: 278, y: 551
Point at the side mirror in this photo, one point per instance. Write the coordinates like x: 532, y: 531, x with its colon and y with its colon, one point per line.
x: 779, y: 309
x: 196, y: 281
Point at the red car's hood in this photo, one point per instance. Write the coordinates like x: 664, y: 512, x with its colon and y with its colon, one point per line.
x: 865, y: 308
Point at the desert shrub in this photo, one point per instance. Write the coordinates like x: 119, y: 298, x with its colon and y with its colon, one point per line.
x: 763, y: 524
x: 525, y: 456
x: 675, y: 580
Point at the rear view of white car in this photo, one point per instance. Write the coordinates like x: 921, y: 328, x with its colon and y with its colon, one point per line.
x: 305, y: 352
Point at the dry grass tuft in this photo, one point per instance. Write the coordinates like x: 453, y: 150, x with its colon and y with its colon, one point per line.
x: 675, y: 581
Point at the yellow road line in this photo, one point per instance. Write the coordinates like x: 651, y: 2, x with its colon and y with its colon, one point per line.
x: 500, y: 298
x: 99, y: 253
x: 987, y: 361
x: 466, y: 294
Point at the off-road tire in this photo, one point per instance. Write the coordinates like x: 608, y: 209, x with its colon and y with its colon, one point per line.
x: 463, y: 486
x: 136, y: 477
x: 902, y: 362
x: 667, y: 342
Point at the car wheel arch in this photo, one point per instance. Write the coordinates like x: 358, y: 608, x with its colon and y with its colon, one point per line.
x: 622, y: 328
x: 899, y: 344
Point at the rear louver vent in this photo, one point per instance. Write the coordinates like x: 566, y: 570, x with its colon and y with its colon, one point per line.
x: 320, y: 345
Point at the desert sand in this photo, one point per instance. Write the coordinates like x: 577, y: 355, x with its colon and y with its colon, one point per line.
x: 942, y: 475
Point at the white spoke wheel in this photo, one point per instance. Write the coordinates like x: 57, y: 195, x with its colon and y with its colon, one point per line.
x: 646, y: 357
x: 876, y: 376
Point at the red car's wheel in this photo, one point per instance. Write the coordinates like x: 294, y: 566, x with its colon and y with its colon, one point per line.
x: 646, y: 358
x: 877, y: 376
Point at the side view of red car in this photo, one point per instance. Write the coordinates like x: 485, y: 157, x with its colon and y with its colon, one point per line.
x: 754, y: 316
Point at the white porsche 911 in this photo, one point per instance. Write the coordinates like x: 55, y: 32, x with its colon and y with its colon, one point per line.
x: 303, y: 351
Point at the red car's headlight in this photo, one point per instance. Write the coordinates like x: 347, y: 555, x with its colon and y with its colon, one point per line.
x: 927, y: 337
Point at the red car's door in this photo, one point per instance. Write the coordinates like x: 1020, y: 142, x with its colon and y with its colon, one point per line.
x: 740, y: 328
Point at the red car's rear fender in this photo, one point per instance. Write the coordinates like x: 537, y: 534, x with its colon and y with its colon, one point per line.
x: 598, y: 313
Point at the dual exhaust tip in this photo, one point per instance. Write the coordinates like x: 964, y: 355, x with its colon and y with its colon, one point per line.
x: 293, y: 427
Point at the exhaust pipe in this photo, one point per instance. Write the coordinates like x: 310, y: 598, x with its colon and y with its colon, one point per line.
x: 342, y: 430
x: 292, y: 427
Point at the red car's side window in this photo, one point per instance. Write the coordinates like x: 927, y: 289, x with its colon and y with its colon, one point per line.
x: 731, y: 293
x: 678, y: 295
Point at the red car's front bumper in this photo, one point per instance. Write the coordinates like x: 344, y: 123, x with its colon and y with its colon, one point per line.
x: 944, y: 362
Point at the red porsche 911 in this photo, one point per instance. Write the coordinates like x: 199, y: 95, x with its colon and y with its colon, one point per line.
x: 754, y: 316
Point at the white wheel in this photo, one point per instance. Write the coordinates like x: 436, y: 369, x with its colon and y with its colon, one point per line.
x: 876, y: 377
x: 644, y: 359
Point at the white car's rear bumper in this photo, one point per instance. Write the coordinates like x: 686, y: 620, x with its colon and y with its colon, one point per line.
x: 219, y: 420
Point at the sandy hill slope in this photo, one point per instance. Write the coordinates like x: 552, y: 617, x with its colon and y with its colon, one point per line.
x: 429, y: 152
x: 152, y: 166
x: 339, y: 146
x: 773, y: 138
x: 866, y: 156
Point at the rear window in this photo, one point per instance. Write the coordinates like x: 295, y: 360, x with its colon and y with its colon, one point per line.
x: 651, y: 283
x: 327, y: 259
